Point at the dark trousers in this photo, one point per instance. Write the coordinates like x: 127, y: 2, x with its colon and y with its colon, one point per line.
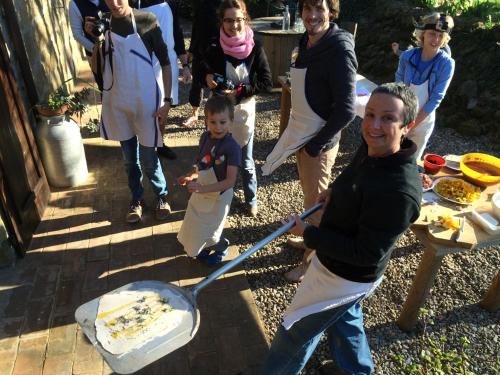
x: 196, y: 91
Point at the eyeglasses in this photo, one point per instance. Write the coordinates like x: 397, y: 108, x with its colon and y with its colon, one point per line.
x: 232, y: 20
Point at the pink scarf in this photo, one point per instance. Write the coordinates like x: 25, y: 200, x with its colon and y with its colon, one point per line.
x: 238, y: 47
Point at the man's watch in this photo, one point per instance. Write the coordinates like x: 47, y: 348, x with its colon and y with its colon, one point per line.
x: 169, y: 100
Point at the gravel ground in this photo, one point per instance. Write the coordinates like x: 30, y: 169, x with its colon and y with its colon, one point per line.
x: 460, y: 283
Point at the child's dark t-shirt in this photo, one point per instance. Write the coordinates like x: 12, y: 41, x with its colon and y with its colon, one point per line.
x: 218, y: 153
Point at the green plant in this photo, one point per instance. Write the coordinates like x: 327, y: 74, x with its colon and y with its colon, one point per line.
x: 475, y: 8
x: 435, y: 358
x: 92, y: 126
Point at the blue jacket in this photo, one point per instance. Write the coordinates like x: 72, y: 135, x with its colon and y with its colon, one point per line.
x: 440, y: 73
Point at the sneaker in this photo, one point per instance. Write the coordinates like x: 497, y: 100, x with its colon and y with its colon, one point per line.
x: 296, y: 243
x: 329, y: 368
x: 252, y: 211
x: 162, y: 208
x: 166, y: 152
x: 221, y: 251
x: 297, y: 274
x: 203, y: 255
x: 134, y: 214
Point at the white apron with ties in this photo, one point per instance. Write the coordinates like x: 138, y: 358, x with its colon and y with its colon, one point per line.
x: 244, y: 113
x: 205, y: 216
x: 165, y: 19
x: 132, y: 91
x: 421, y: 134
x: 322, y: 290
x: 303, y: 125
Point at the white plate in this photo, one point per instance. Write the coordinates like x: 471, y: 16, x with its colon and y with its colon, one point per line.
x: 453, y: 162
x: 436, y: 182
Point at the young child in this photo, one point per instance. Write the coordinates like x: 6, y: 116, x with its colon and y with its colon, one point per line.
x: 211, y: 184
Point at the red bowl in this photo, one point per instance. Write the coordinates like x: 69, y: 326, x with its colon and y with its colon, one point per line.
x: 433, y: 163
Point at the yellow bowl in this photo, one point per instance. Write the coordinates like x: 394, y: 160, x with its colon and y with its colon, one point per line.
x: 481, y: 169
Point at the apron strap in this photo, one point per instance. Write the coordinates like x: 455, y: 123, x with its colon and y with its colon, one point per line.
x: 109, y: 52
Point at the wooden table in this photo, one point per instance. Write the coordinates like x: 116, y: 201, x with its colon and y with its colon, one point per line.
x: 277, y: 43
x: 362, y: 83
x: 429, y: 266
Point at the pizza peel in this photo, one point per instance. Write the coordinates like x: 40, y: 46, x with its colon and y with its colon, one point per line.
x: 163, y: 344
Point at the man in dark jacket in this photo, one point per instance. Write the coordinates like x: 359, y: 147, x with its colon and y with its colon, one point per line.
x: 371, y: 203
x: 324, y: 102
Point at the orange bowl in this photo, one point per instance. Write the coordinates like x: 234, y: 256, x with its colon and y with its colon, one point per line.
x: 433, y: 163
x: 480, y: 169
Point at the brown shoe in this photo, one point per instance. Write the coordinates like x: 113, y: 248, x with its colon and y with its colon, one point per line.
x: 296, y: 243
x: 134, y: 214
x: 297, y: 274
x: 162, y: 208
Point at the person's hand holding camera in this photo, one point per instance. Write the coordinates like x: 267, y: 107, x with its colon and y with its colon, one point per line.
x: 209, y: 79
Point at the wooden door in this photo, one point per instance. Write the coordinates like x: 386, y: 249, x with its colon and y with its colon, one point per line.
x: 24, y: 191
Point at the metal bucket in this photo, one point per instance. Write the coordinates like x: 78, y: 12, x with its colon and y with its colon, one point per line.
x: 62, y: 152
x: 184, y: 332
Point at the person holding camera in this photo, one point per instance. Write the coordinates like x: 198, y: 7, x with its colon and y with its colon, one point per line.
x: 136, y: 74
x: 166, y: 12
x: 236, y: 65
x: 78, y: 11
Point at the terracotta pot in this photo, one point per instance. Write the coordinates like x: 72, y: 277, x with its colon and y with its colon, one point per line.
x: 44, y: 110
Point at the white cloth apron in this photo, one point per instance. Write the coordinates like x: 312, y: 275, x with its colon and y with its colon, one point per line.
x: 303, y: 125
x: 322, y: 290
x: 243, y: 124
x: 165, y: 19
x: 205, y: 216
x: 132, y: 91
x: 421, y: 134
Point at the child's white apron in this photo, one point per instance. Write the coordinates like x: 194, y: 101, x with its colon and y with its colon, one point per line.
x: 205, y: 216
x: 303, y: 125
x: 132, y: 92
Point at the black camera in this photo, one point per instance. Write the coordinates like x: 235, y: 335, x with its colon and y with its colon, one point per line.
x: 101, y: 24
x: 222, y: 84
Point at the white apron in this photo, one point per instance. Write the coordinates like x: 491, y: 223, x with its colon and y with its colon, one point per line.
x: 165, y: 19
x: 132, y: 91
x: 244, y: 113
x: 205, y: 216
x: 421, y: 134
x: 303, y: 125
x: 322, y: 290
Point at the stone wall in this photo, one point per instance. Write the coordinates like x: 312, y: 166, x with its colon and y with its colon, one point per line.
x: 472, y: 103
x: 46, y: 35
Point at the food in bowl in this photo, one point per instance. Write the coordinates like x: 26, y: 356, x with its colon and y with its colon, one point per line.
x: 457, y: 190
x: 433, y: 163
x: 481, y: 169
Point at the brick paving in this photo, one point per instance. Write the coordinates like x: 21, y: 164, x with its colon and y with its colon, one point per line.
x: 83, y: 248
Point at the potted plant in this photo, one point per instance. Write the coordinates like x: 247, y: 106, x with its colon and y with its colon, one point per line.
x: 59, y: 138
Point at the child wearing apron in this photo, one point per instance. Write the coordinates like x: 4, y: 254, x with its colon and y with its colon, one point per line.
x: 211, y: 184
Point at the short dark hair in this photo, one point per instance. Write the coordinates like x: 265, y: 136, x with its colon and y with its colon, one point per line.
x: 333, y: 6
x: 228, y: 4
x: 403, y: 92
x: 219, y: 104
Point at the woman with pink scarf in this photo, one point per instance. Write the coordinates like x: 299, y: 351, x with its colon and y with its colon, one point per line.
x: 236, y: 65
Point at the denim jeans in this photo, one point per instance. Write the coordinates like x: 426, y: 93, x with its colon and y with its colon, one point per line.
x: 135, y: 153
x: 248, y: 175
x: 290, y: 350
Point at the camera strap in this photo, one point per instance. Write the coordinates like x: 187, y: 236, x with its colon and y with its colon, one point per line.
x: 109, y: 53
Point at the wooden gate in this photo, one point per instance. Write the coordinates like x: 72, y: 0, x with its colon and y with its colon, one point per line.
x: 24, y: 192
